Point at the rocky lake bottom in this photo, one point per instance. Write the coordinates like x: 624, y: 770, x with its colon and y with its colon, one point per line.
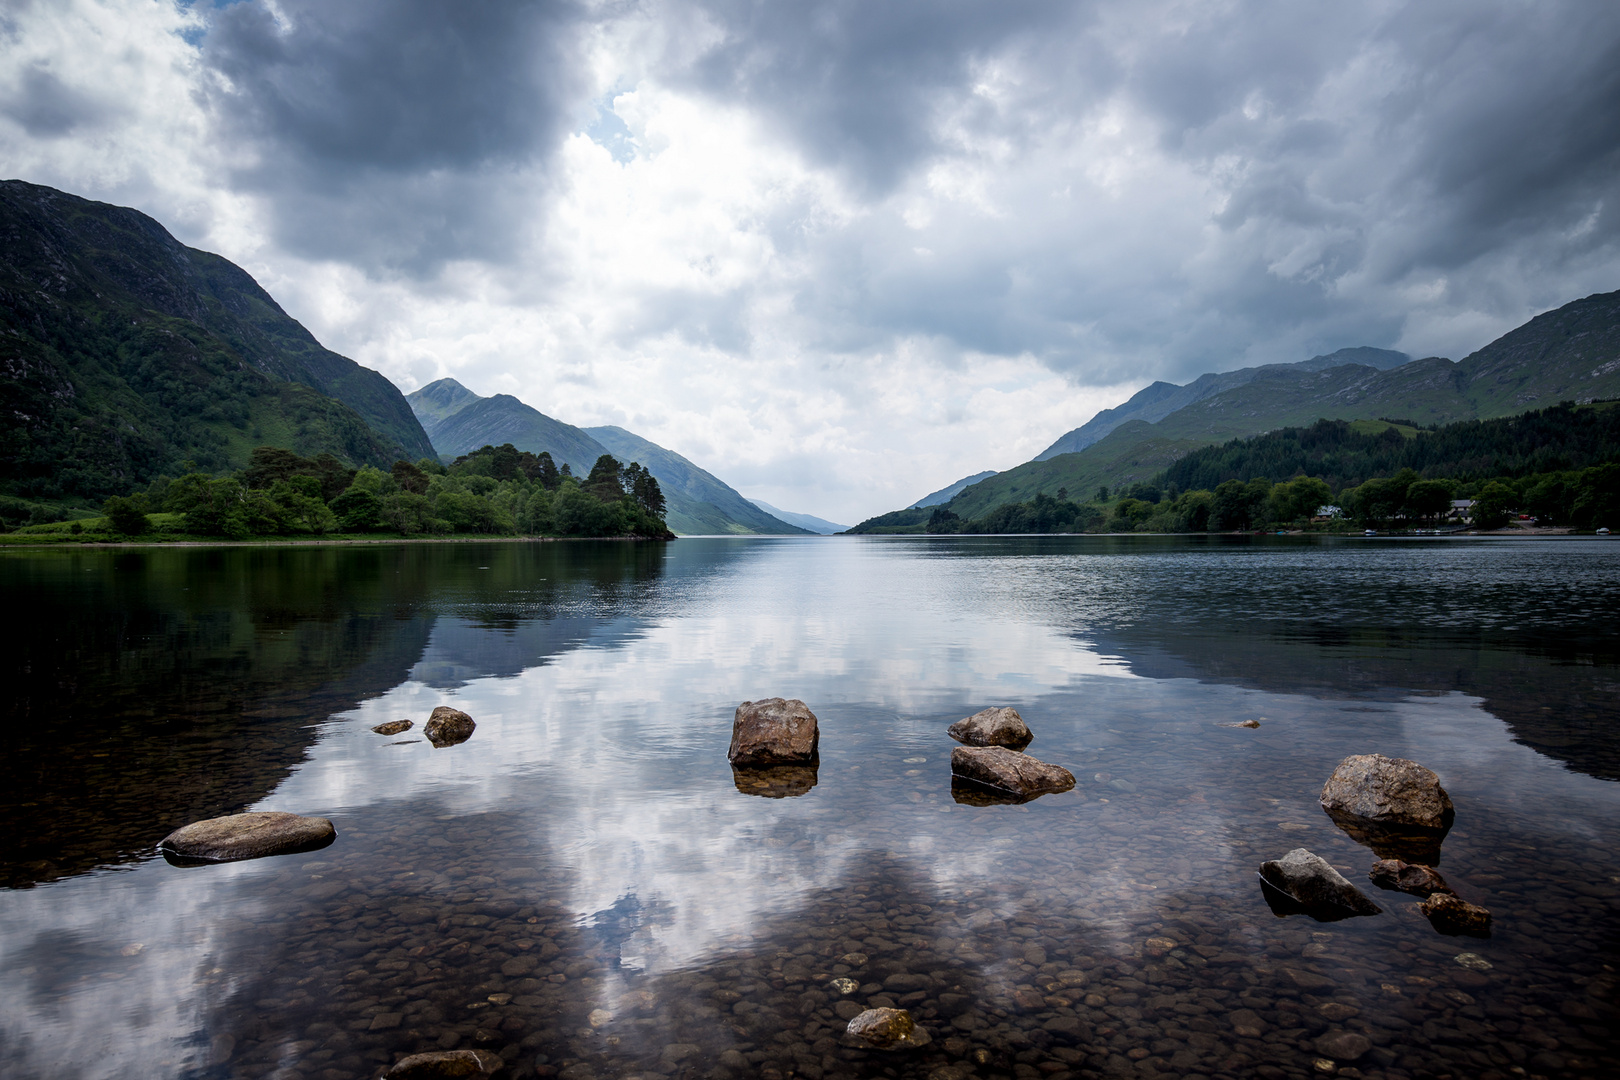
x: 588, y: 890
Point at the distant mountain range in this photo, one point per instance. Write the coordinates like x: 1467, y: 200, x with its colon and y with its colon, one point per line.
x: 810, y: 522
x: 1572, y: 353
x: 459, y: 421
x: 125, y: 354
x: 948, y: 492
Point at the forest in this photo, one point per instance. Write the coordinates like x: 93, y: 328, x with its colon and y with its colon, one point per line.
x: 494, y: 491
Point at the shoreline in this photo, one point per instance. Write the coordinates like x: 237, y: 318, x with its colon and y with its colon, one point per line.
x: 343, y: 542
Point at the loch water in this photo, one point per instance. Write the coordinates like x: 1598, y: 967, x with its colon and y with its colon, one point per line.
x: 587, y: 889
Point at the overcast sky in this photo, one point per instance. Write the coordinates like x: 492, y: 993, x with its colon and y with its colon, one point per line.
x: 842, y: 253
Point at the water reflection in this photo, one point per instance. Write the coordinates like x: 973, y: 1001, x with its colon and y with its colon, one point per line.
x: 587, y: 886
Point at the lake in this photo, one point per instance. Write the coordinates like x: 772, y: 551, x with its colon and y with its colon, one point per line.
x: 587, y: 888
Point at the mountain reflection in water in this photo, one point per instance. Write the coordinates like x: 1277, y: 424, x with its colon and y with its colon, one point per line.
x: 587, y: 887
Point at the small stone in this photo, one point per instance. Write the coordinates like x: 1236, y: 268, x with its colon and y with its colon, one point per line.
x: 847, y: 1009
x: 385, y: 1021
x: 774, y: 731
x: 1323, y: 1065
x: 220, y: 1049
x: 1414, y: 878
x: 887, y: 1029
x: 132, y: 950
x: 996, y: 726
x: 394, y: 727
x: 246, y: 836
x: 1247, y: 1023
x: 1308, y: 879
x: 599, y: 1018
x: 1387, y: 790
x: 499, y: 999
x: 1158, y: 946
x: 1009, y: 771
x: 1450, y: 914
x: 446, y: 1065
x: 1342, y: 1045
x: 844, y: 987
x: 1472, y: 961
x: 447, y: 727
x: 853, y: 959
x: 675, y: 1053
x: 1337, y: 1010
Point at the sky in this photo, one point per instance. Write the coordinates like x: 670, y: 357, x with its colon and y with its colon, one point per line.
x: 843, y: 253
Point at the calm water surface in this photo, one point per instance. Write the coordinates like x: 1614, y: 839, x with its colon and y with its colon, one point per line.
x: 587, y: 889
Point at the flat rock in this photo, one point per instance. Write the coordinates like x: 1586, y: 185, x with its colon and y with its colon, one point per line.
x: 887, y: 1029
x: 1309, y: 881
x: 394, y: 727
x: 447, y: 727
x: 246, y: 836
x: 1387, y: 790
x: 1414, y: 878
x: 445, y: 1065
x: 774, y: 731
x: 1342, y: 1045
x: 1008, y: 770
x: 996, y: 726
x: 1450, y: 914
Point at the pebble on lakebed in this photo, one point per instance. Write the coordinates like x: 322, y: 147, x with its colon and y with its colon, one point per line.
x: 887, y: 1029
x: 446, y: 1065
x: 246, y: 836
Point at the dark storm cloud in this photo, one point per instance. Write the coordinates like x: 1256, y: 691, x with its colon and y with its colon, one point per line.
x: 47, y: 107
x: 388, y: 131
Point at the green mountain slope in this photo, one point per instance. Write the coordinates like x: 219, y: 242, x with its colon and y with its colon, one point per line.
x: 948, y: 492
x: 1572, y: 353
x: 705, y: 504
x: 123, y: 353
x: 459, y: 422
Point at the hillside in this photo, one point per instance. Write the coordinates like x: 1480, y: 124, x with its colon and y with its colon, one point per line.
x: 125, y: 353
x: 459, y: 422
x: 1572, y: 353
x: 948, y: 492
x: 809, y: 522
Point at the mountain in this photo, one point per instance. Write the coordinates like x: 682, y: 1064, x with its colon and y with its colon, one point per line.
x: 124, y: 354
x: 459, y: 422
x: 808, y: 522
x: 1157, y: 401
x: 699, y: 502
x: 1572, y: 353
x: 947, y: 493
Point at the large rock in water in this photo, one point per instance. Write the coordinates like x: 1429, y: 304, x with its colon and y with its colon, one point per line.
x: 775, y: 731
x: 998, y: 726
x: 1309, y: 881
x: 246, y: 836
x: 1391, y: 791
x: 1008, y: 770
x: 447, y: 727
x: 446, y: 1065
x: 887, y: 1029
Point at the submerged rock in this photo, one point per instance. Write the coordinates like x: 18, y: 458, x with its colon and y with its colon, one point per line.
x: 1310, y: 882
x: 446, y: 1065
x: 775, y: 781
x: 1450, y: 914
x: 447, y: 727
x: 887, y: 1029
x: 1008, y: 770
x: 1342, y: 1045
x: 1414, y: 878
x: 1389, y: 791
x: 394, y: 727
x: 775, y: 731
x: 997, y: 726
x: 246, y: 836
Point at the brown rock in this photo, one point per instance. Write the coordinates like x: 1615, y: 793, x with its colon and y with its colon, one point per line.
x: 775, y: 731
x: 997, y: 726
x: 1008, y: 770
x: 246, y: 836
x: 1450, y: 914
x: 887, y: 1029
x: 1309, y: 881
x: 394, y: 727
x: 1342, y: 1045
x: 445, y: 1065
x: 1414, y: 878
x: 447, y: 727
x: 1387, y: 790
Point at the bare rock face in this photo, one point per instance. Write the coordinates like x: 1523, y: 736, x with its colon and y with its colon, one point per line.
x: 446, y: 1065
x: 1373, y: 787
x: 447, y: 727
x: 1414, y: 878
x: 775, y: 731
x: 1450, y: 914
x: 887, y: 1029
x: 394, y: 727
x: 1008, y: 770
x: 1309, y: 881
x: 246, y: 836
x: 998, y: 726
